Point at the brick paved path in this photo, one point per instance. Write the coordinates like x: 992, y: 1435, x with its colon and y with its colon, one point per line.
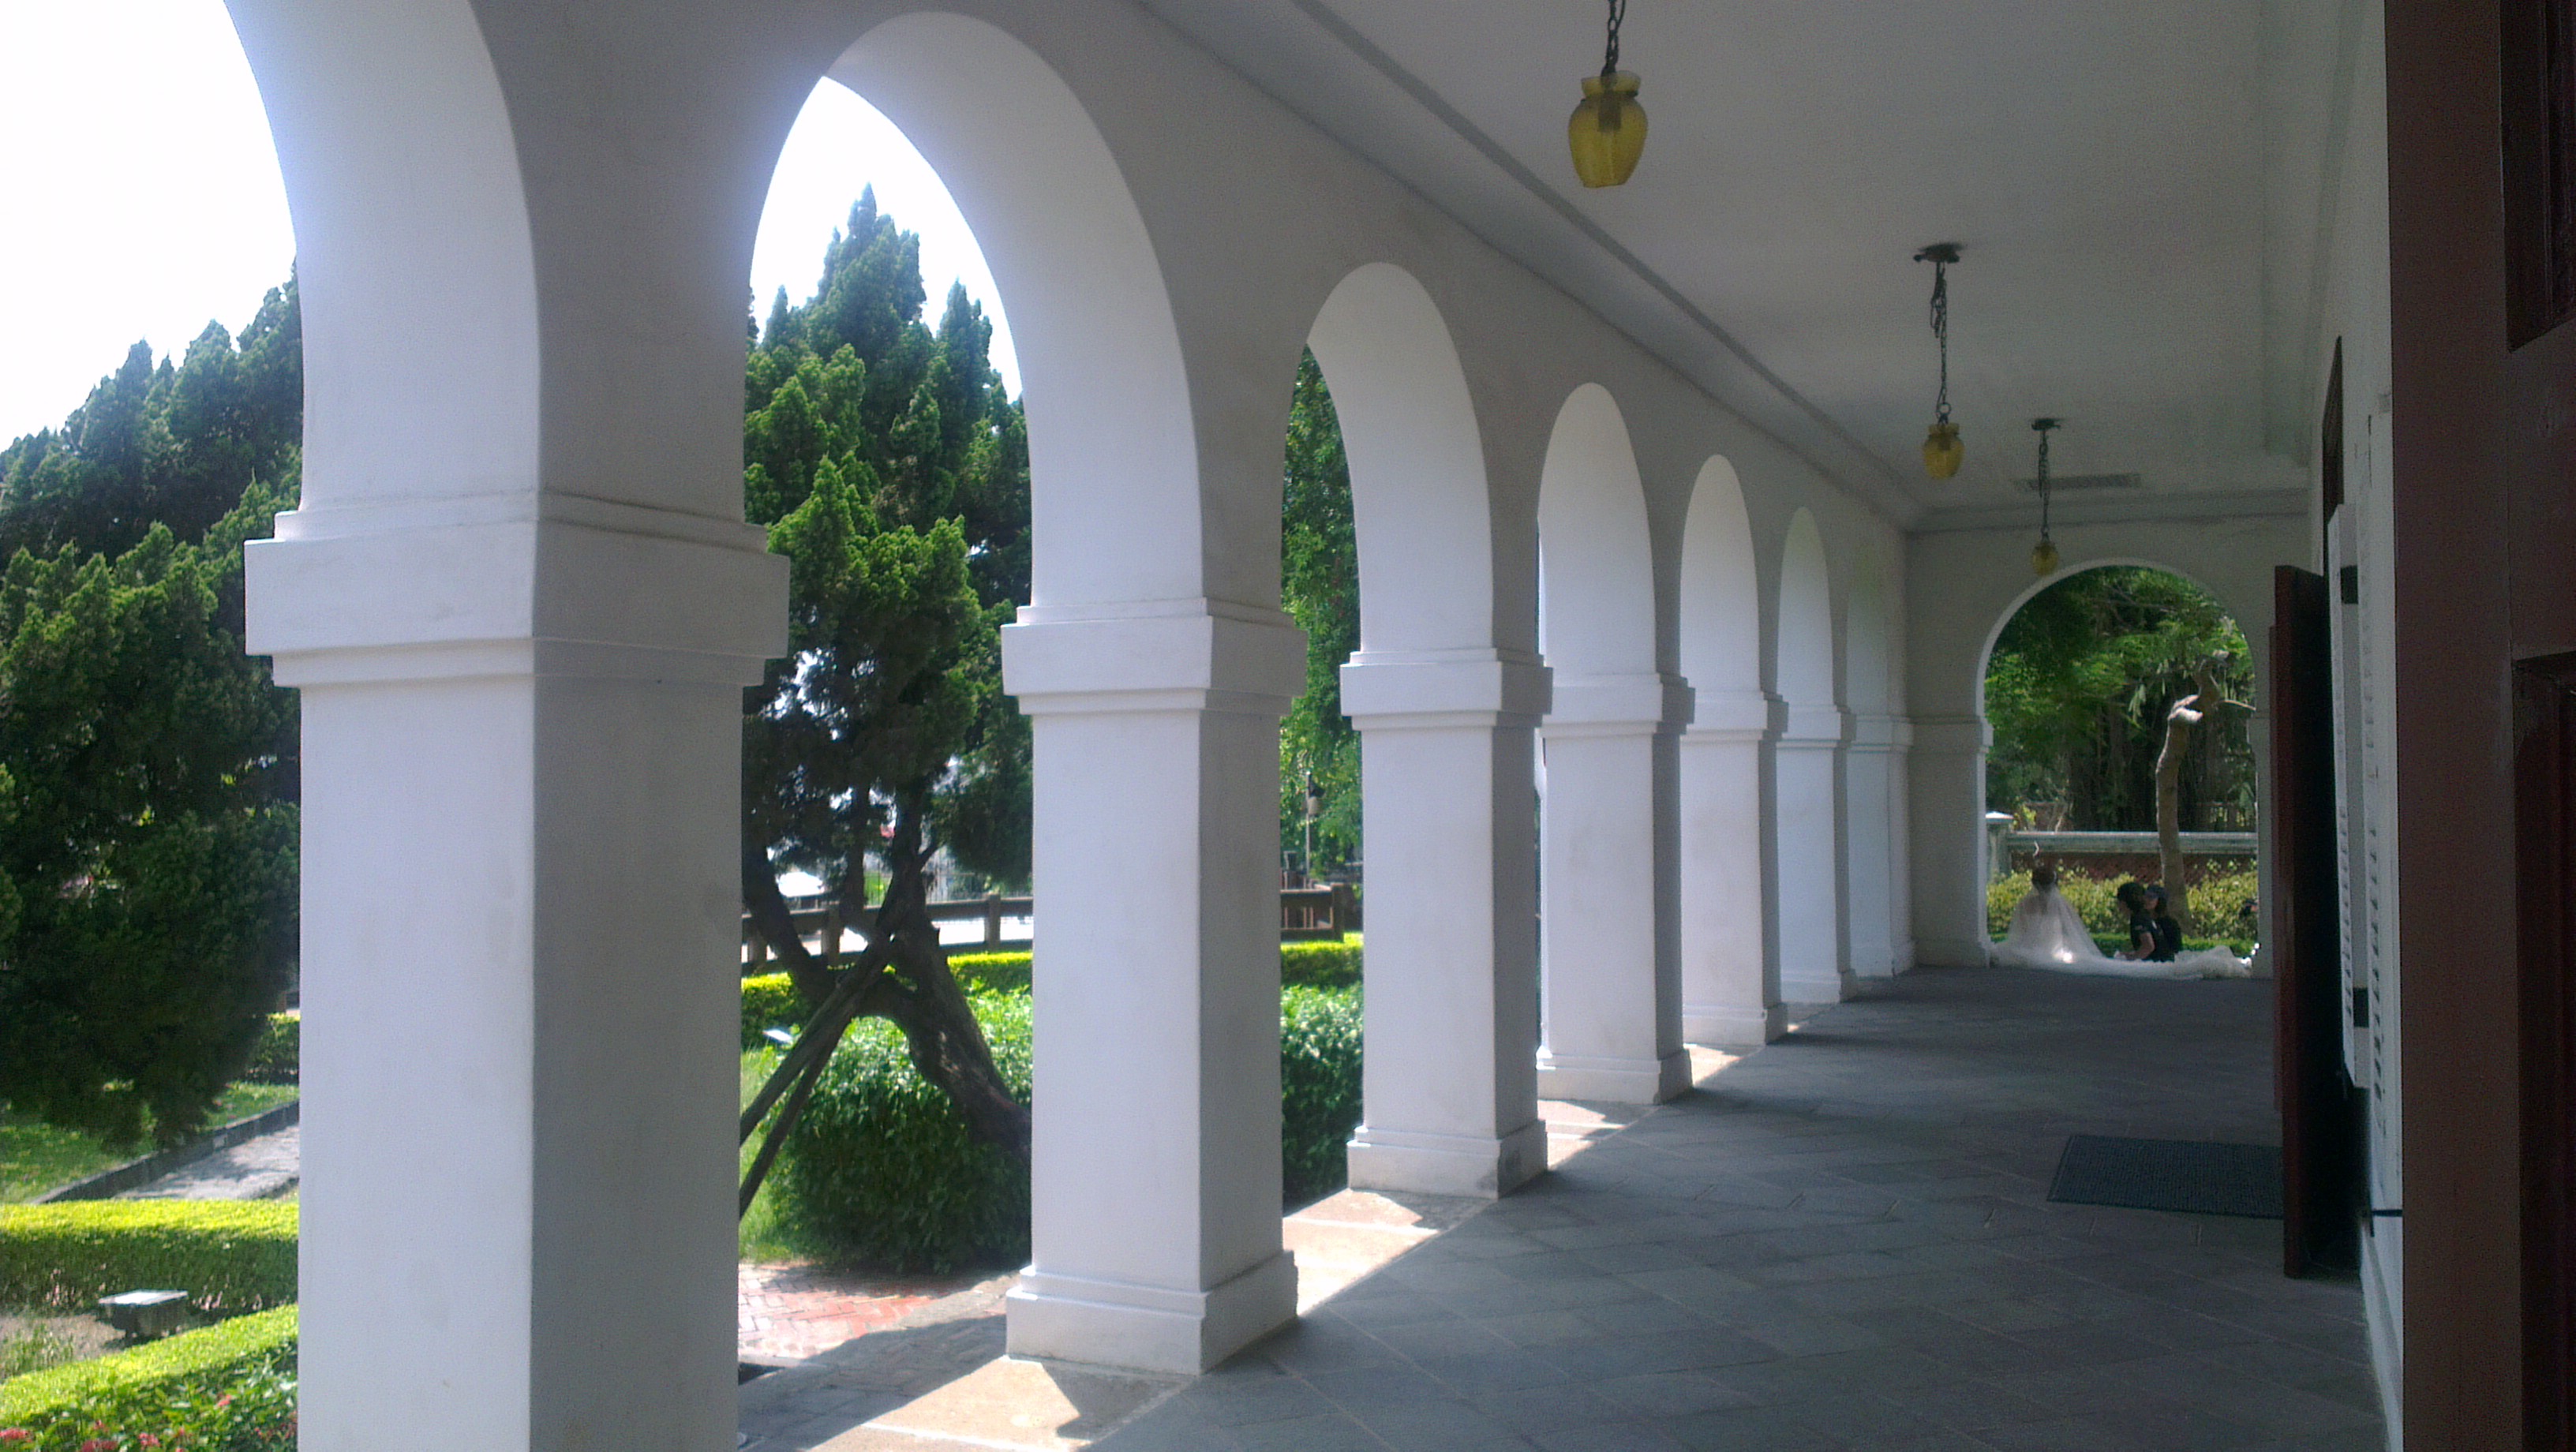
x: 790, y: 1312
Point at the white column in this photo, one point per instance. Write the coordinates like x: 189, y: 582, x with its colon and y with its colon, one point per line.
x: 1871, y: 927
x: 1730, y: 991
x: 1451, y: 1090
x: 1947, y: 777
x: 522, y: 721
x: 1155, y: 1184
x: 1610, y: 929
x: 1806, y: 842
x: 1900, y: 845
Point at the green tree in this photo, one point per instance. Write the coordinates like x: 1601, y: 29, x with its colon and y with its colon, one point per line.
x: 2079, y: 690
x: 892, y: 470
x: 148, y: 770
x: 147, y: 831
x: 158, y: 444
x: 1319, y: 586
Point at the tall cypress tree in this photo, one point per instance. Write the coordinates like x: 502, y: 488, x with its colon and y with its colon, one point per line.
x: 148, y: 772
x: 892, y: 470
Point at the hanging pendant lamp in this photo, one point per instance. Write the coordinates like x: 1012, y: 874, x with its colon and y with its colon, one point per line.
x: 2043, y: 556
x: 1608, y: 130
x: 1942, y: 451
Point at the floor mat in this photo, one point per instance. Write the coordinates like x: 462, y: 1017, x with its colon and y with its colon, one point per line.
x: 2195, y: 1176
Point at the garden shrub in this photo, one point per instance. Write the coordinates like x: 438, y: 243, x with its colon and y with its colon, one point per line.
x: 1321, y: 965
x: 230, y: 1256
x: 227, y: 1388
x: 770, y: 1000
x: 881, y: 1170
x: 1319, y: 1088
x: 991, y: 972
x: 279, y: 1058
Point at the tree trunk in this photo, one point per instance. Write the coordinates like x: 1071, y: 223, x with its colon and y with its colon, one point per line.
x: 2169, y: 864
x: 902, y: 976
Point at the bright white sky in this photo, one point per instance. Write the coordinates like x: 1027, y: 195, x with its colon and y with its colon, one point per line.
x: 145, y: 199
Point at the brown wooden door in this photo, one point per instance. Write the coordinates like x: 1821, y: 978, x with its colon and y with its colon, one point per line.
x: 2319, y: 1151
x: 2545, y: 891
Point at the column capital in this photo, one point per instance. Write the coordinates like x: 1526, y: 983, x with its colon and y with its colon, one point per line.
x: 1154, y: 655
x: 1951, y: 735
x: 1642, y: 703
x: 1806, y: 727
x: 1878, y: 734
x: 1723, y: 715
x: 535, y: 583
x: 1416, y: 690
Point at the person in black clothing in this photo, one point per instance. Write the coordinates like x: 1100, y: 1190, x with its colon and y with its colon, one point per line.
x: 2160, y: 923
x: 2133, y: 901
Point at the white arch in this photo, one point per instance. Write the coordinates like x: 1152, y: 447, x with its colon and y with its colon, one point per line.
x: 1730, y: 991
x: 2030, y: 592
x: 1721, y: 624
x: 1803, y: 664
x: 1865, y: 642
x: 1418, y: 491
x: 1115, y: 508
x: 402, y: 174
x: 1596, y: 568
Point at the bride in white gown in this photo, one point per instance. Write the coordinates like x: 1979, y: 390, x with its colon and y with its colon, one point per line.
x: 2046, y: 933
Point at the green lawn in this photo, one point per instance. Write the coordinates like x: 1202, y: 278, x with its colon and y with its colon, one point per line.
x: 35, y: 1157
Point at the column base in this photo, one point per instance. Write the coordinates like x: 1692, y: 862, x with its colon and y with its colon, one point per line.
x: 1811, y: 990
x: 1728, y: 1028
x: 1613, y: 1081
x: 1447, y: 1164
x: 1149, y: 1328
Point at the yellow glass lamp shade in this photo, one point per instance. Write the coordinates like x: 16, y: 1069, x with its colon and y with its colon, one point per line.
x: 2043, y: 559
x: 1942, y: 451
x: 1608, y: 130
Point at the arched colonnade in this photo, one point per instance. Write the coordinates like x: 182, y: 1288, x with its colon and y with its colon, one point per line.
x: 520, y: 603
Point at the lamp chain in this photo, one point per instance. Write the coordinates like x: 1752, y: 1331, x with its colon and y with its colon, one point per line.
x: 2043, y: 483
x: 1618, y: 13
x: 1941, y: 335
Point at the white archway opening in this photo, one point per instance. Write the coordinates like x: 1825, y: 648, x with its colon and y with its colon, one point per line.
x: 1730, y: 987
x: 1609, y: 824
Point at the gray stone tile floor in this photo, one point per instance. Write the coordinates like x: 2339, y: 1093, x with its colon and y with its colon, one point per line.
x: 1845, y: 1241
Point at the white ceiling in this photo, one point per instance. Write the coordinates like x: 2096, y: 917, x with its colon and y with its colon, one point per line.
x: 2136, y: 187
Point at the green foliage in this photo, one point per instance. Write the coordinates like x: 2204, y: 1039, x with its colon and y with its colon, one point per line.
x: 162, y: 445
x: 228, y: 1255
x: 1319, y: 585
x: 1321, y: 965
x: 147, y: 831
x: 769, y: 1001
x: 227, y: 1388
x: 893, y: 472
x: 991, y: 972
x: 883, y: 1171
x: 2077, y: 691
x: 1319, y: 1089
x: 278, y: 1058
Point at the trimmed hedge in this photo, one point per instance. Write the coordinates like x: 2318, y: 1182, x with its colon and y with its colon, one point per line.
x: 230, y: 1256
x: 279, y: 1058
x: 881, y: 1170
x: 770, y: 1001
x: 227, y: 1388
